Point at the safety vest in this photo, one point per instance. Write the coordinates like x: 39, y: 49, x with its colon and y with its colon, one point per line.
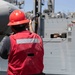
x: 26, y: 54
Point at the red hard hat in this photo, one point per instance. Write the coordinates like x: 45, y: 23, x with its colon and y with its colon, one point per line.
x: 17, y: 17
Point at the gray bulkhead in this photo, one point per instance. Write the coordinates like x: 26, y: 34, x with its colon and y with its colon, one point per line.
x: 60, y: 51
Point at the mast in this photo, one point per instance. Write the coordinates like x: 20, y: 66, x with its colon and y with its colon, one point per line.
x: 36, y: 11
x: 51, y: 5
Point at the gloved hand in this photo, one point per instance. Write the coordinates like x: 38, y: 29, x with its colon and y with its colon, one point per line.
x: 30, y: 26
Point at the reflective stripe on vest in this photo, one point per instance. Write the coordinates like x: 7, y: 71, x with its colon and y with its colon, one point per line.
x: 30, y: 40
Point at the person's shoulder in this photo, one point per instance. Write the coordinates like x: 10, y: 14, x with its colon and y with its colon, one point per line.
x: 37, y: 35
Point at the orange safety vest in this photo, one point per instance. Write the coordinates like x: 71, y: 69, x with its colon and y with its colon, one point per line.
x: 26, y: 54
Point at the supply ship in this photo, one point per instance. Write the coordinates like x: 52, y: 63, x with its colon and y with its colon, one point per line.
x: 57, y: 31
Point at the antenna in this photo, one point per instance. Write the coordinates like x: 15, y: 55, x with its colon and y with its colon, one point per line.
x: 51, y: 4
x: 19, y: 3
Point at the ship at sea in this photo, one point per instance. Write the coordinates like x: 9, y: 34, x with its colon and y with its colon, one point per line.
x: 58, y: 34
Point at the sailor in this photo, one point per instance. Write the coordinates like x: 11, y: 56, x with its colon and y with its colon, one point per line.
x: 23, y: 49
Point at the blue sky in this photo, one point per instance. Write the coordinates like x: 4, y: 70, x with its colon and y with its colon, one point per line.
x: 60, y: 5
